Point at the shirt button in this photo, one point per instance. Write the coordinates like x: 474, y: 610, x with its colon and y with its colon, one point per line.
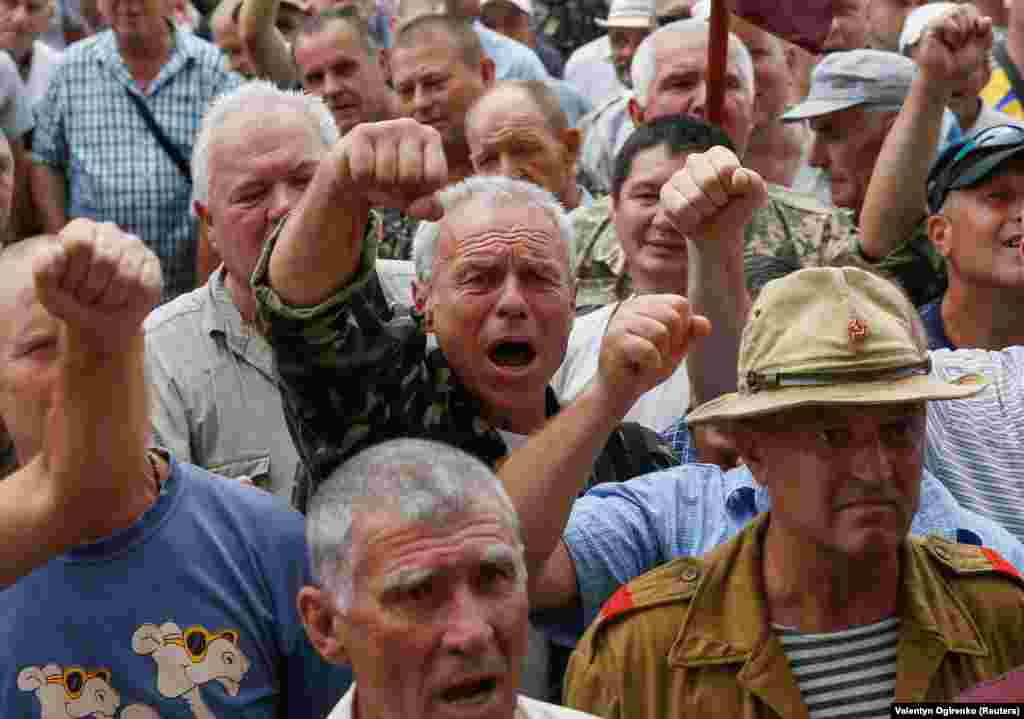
x: 690, y: 574
x: 941, y: 553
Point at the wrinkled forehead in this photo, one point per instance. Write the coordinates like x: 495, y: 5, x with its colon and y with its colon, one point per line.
x: 480, y: 227
x: 386, y: 539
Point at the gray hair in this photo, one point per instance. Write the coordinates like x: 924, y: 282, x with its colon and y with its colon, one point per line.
x: 692, y: 32
x: 499, y: 191
x: 252, y: 98
x: 418, y: 480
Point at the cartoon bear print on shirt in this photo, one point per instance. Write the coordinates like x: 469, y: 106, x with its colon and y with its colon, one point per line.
x: 185, y: 660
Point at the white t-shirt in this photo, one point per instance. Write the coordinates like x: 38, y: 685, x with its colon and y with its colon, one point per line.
x: 527, y: 709
x: 657, y: 409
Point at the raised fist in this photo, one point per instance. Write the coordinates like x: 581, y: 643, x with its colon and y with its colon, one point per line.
x: 646, y: 339
x: 396, y: 164
x: 100, y: 280
x: 712, y: 195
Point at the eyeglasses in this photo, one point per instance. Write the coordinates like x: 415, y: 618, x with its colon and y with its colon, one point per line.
x: 196, y: 641
x: 74, y: 679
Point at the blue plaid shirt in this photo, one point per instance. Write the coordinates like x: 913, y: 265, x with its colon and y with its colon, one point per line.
x: 88, y: 130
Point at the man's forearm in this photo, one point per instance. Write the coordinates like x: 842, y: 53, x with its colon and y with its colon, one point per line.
x: 95, y: 441
x: 896, y: 196
x: 717, y: 289
x: 50, y: 195
x: 93, y: 454
x: 320, y: 245
x: 544, y: 476
x: 265, y: 44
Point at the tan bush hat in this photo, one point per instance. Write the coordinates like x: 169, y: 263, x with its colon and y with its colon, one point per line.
x: 830, y: 336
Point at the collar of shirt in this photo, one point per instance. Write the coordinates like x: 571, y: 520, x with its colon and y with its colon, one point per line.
x: 184, y: 51
x: 220, y: 316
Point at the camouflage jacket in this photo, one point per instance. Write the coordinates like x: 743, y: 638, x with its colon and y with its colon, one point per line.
x: 604, y: 130
x: 916, y: 265
x: 356, y: 373
x: 791, y: 227
x: 394, y: 240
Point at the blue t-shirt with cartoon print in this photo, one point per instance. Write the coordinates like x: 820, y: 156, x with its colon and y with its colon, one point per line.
x: 189, y: 613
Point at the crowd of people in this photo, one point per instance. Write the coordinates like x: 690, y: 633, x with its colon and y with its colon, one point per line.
x: 471, y: 377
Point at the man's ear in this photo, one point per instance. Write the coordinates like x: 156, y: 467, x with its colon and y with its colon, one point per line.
x: 636, y: 112
x: 572, y: 139
x: 205, y: 223
x: 748, y: 447
x: 324, y: 625
x: 487, y: 71
x: 940, y: 231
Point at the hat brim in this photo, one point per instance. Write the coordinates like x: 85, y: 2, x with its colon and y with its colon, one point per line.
x: 912, y: 389
x: 635, y: 21
x: 817, y: 108
x: 985, y: 167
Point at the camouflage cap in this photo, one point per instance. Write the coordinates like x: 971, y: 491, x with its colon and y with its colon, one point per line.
x: 857, y: 77
x: 830, y: 336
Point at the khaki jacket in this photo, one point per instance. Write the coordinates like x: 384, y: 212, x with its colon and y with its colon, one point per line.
x: 693, y: 638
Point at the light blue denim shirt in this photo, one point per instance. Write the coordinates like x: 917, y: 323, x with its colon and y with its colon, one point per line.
x: 618, y: 531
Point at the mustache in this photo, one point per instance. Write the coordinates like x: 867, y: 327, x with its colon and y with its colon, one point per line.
x: 859, y: 493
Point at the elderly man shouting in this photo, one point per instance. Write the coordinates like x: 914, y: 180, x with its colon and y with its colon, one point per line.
x: 495, y: 291
x: 422, y: 586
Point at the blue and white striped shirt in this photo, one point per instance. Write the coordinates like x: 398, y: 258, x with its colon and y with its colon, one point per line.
x: 976, y: 445
x: 89, y: 130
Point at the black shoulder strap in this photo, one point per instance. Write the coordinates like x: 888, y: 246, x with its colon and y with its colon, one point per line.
x: 169, y: 147
x: 632, y: 450
x: 1012, y: 73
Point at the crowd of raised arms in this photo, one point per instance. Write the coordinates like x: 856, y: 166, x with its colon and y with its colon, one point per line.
x: 442, y: 359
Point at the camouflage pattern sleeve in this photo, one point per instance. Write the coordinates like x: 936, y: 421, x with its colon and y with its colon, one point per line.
x: 598, y: 261
x: 797, y: 227
x: 396, y: 231
x: 916, y: 265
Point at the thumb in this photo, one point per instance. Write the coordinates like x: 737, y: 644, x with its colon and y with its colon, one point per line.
x: 426, y: 208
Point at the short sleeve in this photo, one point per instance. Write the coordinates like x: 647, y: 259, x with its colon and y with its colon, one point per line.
x: 15, y: 111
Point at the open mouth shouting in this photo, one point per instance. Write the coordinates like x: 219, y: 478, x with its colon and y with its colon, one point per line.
x: 470, y: 692
x: 512, y: 353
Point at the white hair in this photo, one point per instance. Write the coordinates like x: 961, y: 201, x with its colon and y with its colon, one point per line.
x: 415, y: 480
x: 252, y: 98
x: 498, y: 191
x: 691, y: 32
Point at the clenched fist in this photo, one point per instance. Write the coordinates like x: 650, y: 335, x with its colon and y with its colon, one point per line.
x: 396, y: 164
x: 100, y: 280
x: 712, y: 196
x: 646, y: 339
x: 954, y: 46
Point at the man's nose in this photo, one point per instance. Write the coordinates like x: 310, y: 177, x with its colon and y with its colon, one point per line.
x: 511, y: 300
x: 468, y: 630
x: 819, y: 156
x: 282, y: 199
x: 870, y: 461
x: 698, y: 101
